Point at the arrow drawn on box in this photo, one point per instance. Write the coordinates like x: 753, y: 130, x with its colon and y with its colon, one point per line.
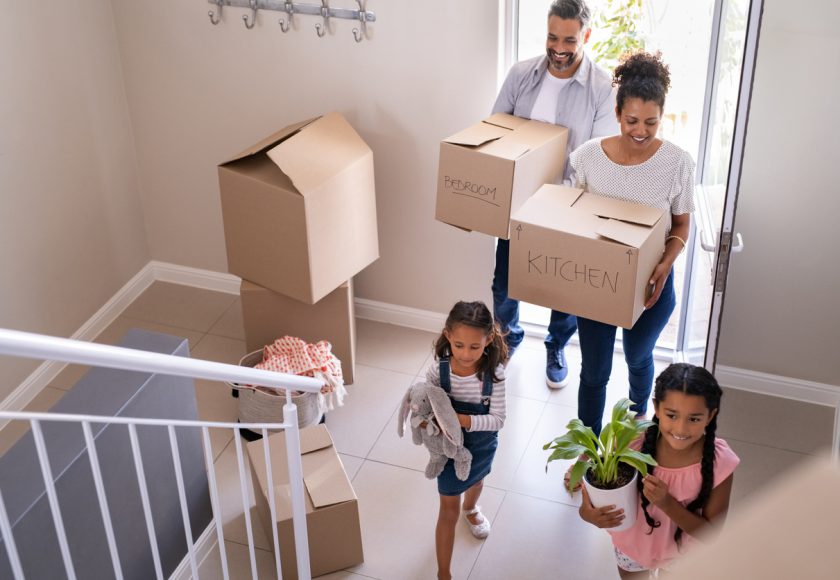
x: 518, y: 230
x: 629, y: 255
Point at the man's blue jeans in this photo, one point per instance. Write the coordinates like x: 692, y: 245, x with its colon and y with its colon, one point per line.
x: 561, y: 326
x: 597, y: 342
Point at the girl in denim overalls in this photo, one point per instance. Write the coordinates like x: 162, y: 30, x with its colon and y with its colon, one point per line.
x: 470, y: 355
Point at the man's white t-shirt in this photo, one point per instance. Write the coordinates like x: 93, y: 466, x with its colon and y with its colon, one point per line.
x: 545, y: 107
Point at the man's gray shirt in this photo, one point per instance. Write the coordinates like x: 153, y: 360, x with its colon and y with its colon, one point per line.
x: 586, y: 106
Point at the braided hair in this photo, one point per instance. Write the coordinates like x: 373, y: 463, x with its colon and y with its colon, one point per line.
x: 476, y: 315
x: 641, y: 75
x: 690, y: 380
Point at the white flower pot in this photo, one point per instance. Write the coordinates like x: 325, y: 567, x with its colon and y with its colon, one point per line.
x: 626, y: 498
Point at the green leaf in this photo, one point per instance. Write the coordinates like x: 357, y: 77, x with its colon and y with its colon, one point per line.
x: 638, y: 460
x: 566, y: 453
x: 578, y: 470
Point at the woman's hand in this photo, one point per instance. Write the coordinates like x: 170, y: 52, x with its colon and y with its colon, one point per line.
x: 680, y: 228
x: 602, y: 517
x: 657, y: 282
x: 655, y: 490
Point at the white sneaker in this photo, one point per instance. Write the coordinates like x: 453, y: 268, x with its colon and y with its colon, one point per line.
x: 480, y: 530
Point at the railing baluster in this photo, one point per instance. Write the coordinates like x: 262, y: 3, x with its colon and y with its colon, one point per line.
x: 9, y: 541
x: 296, y: 486
x: 58, y: 522
x: 144, y: 497
x: 103, y: 502
x: 214, y: 499
x: 272, y: 503
x: 246, y: 504
x: 182, y: 496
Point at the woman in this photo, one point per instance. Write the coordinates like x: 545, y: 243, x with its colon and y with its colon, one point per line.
x: 636, y: 166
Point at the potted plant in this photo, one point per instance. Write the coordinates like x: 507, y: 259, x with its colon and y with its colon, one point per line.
x: 606, y: 464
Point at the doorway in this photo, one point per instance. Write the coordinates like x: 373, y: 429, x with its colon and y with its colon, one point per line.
x: 704, y: 43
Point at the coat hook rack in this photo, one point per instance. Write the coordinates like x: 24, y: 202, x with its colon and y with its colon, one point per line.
x: 216, y: 18
x: 291, y: 8
x: 254, y: 8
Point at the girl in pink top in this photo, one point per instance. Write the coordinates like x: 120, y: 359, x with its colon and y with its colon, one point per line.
x: 688, y: 492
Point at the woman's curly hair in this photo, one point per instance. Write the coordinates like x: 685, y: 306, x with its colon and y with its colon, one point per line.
x: 642, y: 75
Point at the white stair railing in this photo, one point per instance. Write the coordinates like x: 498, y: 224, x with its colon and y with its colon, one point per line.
x: 36, y: 346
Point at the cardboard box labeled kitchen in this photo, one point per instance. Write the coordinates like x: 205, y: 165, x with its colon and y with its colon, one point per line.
x: 488, y: 170
x: 332, y: 509
x: 585, y: 254
x: 299, y: 209
x: 267, y: 316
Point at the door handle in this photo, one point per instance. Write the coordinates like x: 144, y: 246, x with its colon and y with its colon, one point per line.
x: 711, y: 246
x: 739, y: 243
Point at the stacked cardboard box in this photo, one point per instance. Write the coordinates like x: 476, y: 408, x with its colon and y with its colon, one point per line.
x: 299, y: 212
x: 268, y: 315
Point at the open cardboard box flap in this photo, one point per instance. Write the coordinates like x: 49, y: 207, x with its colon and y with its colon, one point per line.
x: 618, y: 209
x: 548, y: 205
x: 625, y: 233
x: 324, y: 477
x: 477, y: 135
x: 505, y: 120
x: 315, y: 155
x: 506, y: 149
x: 280, y: 135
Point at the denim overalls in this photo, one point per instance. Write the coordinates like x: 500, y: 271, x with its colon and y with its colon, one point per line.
x: 482, y: 444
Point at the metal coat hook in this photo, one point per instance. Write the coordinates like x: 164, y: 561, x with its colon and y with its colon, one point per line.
x: 325, y: 14
x: 213, y: 18
x: 290, y: 10
x: 253, y: 4
x: 359, y: 34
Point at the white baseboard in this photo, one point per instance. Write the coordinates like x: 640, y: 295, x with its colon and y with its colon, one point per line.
x: 399, y: 315
x: 203, y: 547
x: 195, y: 277
x: 786, y: 388
x: 778, y: 386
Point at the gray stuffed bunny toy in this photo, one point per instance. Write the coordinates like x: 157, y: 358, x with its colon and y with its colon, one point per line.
x: 442, y: 434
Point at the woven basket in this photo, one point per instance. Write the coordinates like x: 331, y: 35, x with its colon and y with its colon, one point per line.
x: 260, y: 407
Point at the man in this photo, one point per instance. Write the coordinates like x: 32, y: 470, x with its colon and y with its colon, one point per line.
x: 567, y: 88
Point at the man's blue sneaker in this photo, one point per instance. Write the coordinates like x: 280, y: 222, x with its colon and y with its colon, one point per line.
x: 556, y: 370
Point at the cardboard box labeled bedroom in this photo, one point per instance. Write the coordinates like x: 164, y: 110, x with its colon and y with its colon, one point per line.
x: 299, y: 209
x: 489, y: 169
x: 267, y: 315
x: 332, y: 508
x: 585, y: 254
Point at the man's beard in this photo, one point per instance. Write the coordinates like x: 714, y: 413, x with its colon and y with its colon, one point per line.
x: 563, y: 65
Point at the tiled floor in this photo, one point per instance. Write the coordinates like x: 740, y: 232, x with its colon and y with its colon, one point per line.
x: 536, y: 529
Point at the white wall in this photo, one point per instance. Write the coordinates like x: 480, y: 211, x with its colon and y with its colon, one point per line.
x: 782, y: 305
x: 200, y: 93
x: 71, y: 225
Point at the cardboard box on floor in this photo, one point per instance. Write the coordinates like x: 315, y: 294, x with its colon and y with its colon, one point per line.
x: 332, y: 509
x: 299, y: 209
x: 489, y: 169
x: 268, y: 316
x: 585, y: 254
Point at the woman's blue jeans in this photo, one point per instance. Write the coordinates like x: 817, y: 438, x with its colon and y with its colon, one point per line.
x: 597, y: 342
